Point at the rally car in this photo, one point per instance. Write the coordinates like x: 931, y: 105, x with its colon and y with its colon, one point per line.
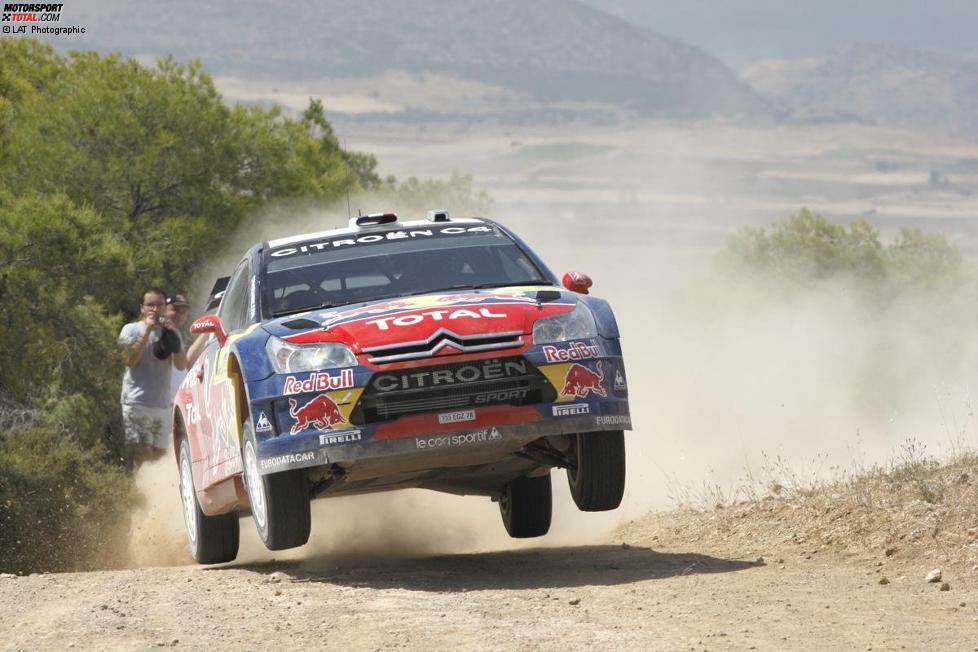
x: 437, y: 353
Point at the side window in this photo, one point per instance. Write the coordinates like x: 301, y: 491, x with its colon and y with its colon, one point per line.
x: 234, y: 306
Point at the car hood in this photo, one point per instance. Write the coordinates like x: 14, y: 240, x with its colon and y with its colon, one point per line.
x: 421, y: 318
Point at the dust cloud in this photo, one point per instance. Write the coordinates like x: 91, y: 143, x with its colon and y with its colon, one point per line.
x: 731, y: 383
x: 156, y: 532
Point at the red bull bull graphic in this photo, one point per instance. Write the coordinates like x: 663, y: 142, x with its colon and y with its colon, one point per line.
x: 581, y: 381
x: 321, y: 412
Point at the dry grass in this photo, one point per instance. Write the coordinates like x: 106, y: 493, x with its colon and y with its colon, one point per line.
x: 915, y: 509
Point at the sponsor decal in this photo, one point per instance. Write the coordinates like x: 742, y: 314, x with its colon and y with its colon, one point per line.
x: 620, y: 385
x: 501, y: 396
x: 572, y: 410
x: 263, y: 424
x: 475, y: 371
x: 465, y: 439
x: 456, y: 417
x: 575, y: 351
x: 193, y: 414
x: 581, y: 381
x: 321, y: 412
x: 615, y: 420
x: 334, y: 317
x: 384, y: 323
x: 374, y: 238
x: 320, y: 381
x: 341, y: 437
x: 291, y: 458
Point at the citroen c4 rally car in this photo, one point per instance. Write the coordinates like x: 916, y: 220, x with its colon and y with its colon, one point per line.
x: 438, y: 353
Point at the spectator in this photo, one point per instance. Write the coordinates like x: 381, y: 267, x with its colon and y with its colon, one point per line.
x: 152, y: 349
x: 177, y: 311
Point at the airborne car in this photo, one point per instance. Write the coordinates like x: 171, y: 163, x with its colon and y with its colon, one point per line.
x: 438, y: 353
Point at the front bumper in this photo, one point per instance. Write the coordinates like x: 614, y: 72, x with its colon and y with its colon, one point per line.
x: 324, y: 425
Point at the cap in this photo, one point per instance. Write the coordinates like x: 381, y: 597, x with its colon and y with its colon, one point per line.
x: 177, y: 300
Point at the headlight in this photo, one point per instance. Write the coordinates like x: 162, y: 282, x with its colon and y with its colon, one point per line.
x: 577, y: 324
x: 294, y: 358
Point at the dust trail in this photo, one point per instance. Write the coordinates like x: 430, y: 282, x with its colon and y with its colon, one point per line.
x: 156, y: 532
x: 726, y: 379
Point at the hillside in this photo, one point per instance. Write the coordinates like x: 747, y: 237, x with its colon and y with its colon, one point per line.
x: 553, y: 50
x: 875, y: 84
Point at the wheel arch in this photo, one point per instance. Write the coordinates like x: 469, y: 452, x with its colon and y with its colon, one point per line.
x: 242, y: 410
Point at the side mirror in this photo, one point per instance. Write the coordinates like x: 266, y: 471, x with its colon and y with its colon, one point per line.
x: 210, y: 324
x: 577, y: 282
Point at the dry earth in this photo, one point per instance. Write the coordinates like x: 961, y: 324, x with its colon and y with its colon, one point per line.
x: 678, y: 580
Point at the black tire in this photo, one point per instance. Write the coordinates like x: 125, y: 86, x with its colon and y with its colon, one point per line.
x: 279, y: 501
x: 212, y: 539
x: 598, y: 482
x: 526, y: 506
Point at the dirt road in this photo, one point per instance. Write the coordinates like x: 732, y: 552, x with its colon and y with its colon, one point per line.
x: 657, y: 592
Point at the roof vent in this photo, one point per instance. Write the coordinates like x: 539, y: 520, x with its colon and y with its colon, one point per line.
x: 438, y: 215
x: 374, y: 219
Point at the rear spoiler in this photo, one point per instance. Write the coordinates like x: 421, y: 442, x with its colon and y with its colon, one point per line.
x: 217, y: 293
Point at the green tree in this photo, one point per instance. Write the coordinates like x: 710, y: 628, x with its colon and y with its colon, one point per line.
x: 157, y: 154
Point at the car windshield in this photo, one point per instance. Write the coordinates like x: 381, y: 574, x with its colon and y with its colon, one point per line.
x: 381, y: 265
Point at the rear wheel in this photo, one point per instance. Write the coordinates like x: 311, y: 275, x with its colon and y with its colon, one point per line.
x: 526, y: 506
x: 279, y: 501
x: 598, y: 482
x: 212, y: 539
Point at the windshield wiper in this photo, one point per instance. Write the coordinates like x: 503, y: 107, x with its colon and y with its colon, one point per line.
x: 480, y: 286
x: 292, y: 311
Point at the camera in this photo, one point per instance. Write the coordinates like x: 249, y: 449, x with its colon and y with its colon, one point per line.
x: 161, y: 320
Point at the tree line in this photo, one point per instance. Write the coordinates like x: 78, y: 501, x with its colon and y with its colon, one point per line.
x: 116, y: 175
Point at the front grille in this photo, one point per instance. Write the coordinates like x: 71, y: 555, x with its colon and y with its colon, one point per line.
x: 441, y: 339
x: 510, y: 381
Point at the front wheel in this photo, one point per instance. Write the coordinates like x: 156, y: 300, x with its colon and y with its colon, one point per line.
x: 598, y: 481
x: 279, y: 501
x: 212, y: 539
x: 526, y: 506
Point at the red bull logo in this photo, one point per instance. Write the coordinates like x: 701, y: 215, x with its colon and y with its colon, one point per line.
x: 581, y: 381
x: 321, y: 412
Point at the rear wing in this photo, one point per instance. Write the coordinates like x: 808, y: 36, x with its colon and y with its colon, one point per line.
x: 217, y: 293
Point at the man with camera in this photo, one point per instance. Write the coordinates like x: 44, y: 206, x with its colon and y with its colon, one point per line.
x: 152, y: 348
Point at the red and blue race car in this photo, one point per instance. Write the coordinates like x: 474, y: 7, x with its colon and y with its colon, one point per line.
x: 438, y: 353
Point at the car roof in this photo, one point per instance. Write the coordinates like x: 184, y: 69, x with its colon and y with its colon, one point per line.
x: 392, y: 226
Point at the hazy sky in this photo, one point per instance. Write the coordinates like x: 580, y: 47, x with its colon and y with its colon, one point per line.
x: 739, y: 31
x: 742, y: 30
